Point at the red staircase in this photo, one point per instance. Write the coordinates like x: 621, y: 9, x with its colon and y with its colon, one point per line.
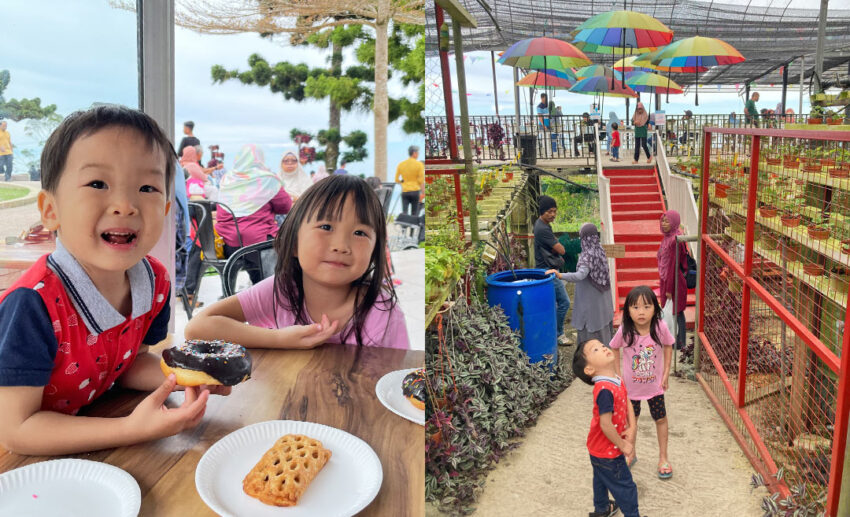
x: 636, y: 207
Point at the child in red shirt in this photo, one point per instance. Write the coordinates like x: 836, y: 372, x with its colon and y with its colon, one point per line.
x: 612, y: 431
x: 615, y: 142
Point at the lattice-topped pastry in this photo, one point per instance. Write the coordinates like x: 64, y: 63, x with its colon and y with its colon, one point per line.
x: 286, y: 470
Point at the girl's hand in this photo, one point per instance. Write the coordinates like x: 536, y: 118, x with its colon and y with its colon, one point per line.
x: 665, y: 382
x: 216, y: 389
x: 550, y: 271
x: 158, y: 421
x: 311, y: 336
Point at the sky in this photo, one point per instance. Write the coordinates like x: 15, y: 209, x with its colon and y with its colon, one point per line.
x: 62, y: 57
x: 481, y: 101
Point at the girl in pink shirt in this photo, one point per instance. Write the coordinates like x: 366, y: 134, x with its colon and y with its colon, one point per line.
x: 331, y: 281
x: 644, y: 367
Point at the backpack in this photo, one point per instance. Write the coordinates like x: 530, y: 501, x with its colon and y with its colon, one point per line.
x: 691, y: 269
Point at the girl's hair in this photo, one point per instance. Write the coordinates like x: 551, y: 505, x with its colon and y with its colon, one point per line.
x: 325, y: 200
x: 637, y: 294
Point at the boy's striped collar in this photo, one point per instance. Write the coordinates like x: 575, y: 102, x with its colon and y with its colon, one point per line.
x: 613, y: 380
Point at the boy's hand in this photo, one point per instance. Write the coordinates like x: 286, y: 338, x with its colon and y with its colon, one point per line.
x: 310, y: 336
x: 155, y: 420
x: 628, y: 449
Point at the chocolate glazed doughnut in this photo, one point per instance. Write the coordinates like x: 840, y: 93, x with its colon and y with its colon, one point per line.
x: 197, y: 362
x: 413, y: 388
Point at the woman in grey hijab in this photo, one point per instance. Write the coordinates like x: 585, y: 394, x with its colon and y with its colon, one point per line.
x: 593, y: 306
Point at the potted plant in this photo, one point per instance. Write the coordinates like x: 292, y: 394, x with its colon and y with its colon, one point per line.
x: 840, y: 279
x: 840, y: 171
x: 791, y: 206
x: 811, y: 160
x: 813, y: 268
x: 816, y: 115
x: 833, y: 118
x: 789, y: 155
x: 792, y: 249
x: 819, y: 228
x: 768, y: 209
x: 841, y: 231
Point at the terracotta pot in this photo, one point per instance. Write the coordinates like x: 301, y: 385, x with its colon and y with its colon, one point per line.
x: 720, y: 190
x: 812, y: 167
x: 479, y: 197
x: 813, y: 269
x: 767, y: 211
x: 827, y: 162
x: 773, y: 161
x: 839, y: 172
x: 818, y: 233
x: 799, y: 182
x: 429, y: 179
x: 510, y: 175
x: 845, y: 247
x: 834, y: 121
x: 790, y: 162
x: 815, y: 121
x: 792, y: 251
x: 791, y: 220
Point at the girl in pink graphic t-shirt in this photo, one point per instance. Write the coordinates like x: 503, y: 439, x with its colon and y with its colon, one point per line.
x: 645, y: 344
x: 331, y: 282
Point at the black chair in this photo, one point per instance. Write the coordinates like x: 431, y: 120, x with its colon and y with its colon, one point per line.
x: 260, y: 257
x: 200, y: 217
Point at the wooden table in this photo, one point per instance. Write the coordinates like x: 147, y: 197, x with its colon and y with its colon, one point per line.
x: 17, y: 258
x: 332, y: 385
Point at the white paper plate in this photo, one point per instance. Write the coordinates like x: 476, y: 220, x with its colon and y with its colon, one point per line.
x: 347, y: 484
x: 70, y: 488
x: 390, y: 394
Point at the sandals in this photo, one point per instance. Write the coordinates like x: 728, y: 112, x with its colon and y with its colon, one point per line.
x: 612, y: 510
x: 665, y: 467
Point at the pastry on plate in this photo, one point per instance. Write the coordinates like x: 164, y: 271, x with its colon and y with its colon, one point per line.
x: 285, y: 471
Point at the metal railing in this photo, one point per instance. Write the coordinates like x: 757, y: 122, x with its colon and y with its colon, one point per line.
x: 603, y: 184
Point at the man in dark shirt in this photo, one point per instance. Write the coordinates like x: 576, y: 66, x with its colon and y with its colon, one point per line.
x: 189, y: 139
x: 547, y: 255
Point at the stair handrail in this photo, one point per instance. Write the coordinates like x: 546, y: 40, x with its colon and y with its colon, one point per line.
x: 603, y: 184
x: 679, y: 193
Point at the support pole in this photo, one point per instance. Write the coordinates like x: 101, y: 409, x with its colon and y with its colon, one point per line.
x: 516, y: 107
x: 495, y: 90
x: 802, y: 73
x: 447, y: 91
x: 464, y: 132
x: 784, y: 88
x: 821, y: 36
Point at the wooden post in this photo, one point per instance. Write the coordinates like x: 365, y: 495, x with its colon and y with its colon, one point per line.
x: 819, y: 53
x: 784, y: 88
x: 495, y: 90
x: 447, y: 91
x: 464, y: 132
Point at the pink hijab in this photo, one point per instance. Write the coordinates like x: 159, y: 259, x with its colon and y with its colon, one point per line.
x: 668, y: 243
x: 189, y: 162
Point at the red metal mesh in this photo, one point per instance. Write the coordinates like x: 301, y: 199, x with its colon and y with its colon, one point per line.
x: 441, y: 206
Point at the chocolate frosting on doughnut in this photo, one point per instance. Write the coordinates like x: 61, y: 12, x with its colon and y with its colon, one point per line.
x: 413, y: 384
x: 228, y: 363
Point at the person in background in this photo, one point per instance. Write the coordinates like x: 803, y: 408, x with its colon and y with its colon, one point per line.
x: 321, y: 174
x: 543, y: 110
x: 295, y: 180
x: 612, y: 121
x: 751, y: 113
x: 586, y: 129
x: 254, y: 194
x: 733, y: 120
x: 411, y: 174
x: 341, y: 169
x: 188, y: 140
x: 5, y: 152
x: 547, y: 255
x: 640, y: 120
x: 670, y: 277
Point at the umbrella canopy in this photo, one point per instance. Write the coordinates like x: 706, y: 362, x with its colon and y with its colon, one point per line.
x: 629, y: 31
x: 542, y: 53
x: 694, y: 54
x: 599, y: 85
x: 627, y: 64
x: 597, y: 71
x: 548, y: 79
x: 645, y: 82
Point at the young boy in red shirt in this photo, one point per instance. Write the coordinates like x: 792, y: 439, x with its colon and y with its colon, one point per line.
x: 612, y: 431
x: 615, y: 142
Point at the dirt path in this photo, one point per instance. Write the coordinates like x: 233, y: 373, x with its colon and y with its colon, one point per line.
x: 550, y: 473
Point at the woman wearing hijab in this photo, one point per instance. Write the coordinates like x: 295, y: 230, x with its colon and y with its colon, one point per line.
x: 641, y: 122
x: 670, y: 277
x: 593, y: 307
x: 321, y: 174
x: 612, y: 119
x: 255, y: 195
x: 195, y: 185
x: 295, y: 179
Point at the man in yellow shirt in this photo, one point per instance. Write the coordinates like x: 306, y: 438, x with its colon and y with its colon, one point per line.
x: 5, y: 152
x: 411, y: 174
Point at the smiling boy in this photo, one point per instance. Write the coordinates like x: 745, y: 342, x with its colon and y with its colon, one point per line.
x: 81, y: 318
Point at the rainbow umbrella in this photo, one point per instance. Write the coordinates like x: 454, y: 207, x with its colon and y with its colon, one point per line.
x: 621, y: 30
x: 557, y: 79
x: 645, y: 82
x: 599, y: 85
x: 627, y: 64
x: 597, y: 71
x: 543, y: 53
x: 695, y: 53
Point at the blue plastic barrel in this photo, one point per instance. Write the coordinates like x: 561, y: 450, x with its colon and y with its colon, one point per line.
x: 528, y: 298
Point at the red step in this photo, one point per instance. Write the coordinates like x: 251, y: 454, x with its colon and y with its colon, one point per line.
x: 637, y: 205
x: 641, y: 246
x: 621, y: 299
x: 632, y: 180
x: 634, y: 198
x: 613, y: 173
x: 648, y: 274
x: 637, y: 260
x: 690, y: 316
x: 623, y: 287
x: 638, y: 215
x: 626, y: 238
x: 637, y: 189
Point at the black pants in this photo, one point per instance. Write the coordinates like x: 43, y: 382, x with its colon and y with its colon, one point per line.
x: 613, y: 475
x: 252, y: 263
x: 193, y: 269
x: 584, y: 138
x: 410, y: 200
x: 640, y: 141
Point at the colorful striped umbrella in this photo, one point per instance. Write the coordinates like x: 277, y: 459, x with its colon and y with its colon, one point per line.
x: 645, y: 82
x: 599, y: 85
x: 627, y: 64
x: 597, y: 71
x: 543, y: 53
x: 561, y: 80
x: 629, y: 31
x: 694, y: 53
